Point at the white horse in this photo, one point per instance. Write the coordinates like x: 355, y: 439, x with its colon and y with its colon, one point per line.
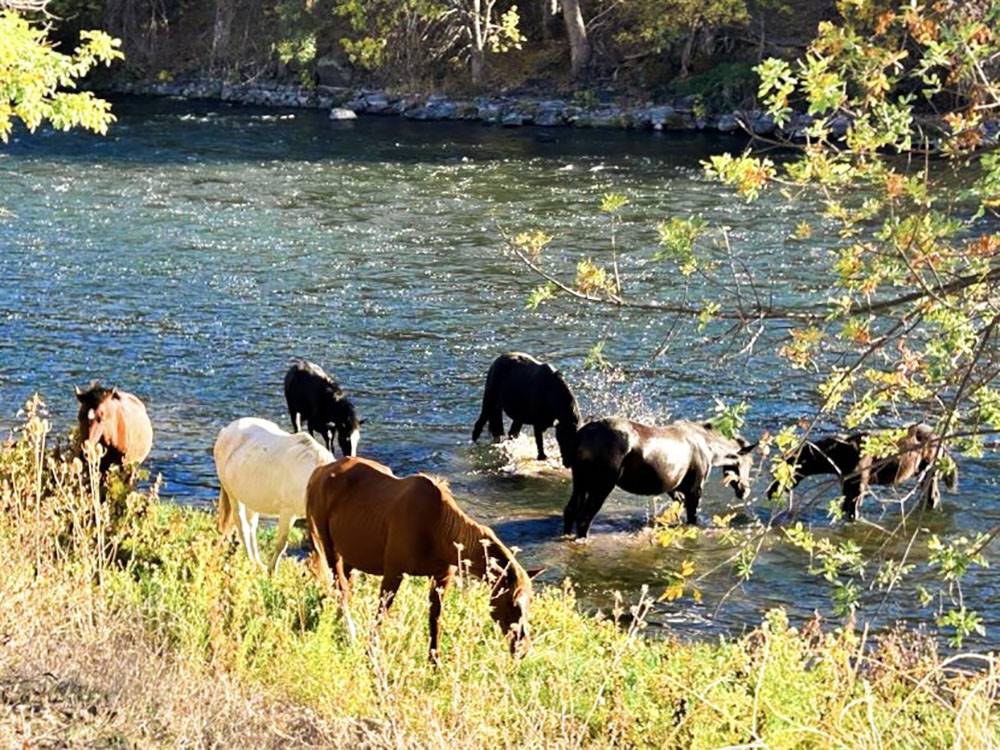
x: 264, y: 471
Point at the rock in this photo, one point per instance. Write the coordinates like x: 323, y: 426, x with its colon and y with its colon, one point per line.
x: 514, y: 119
x: 838, y: 125
x: 762, y: 124
x: 687, y: 102
x: 337, y: 95
x: 639, y: 118
x: 658, y: 116
x: 331, y: 70
x: 343, y: 113
x: 727, y: 123
x: 991, y: 130
x: 549, y: 117
x: 797, y: 126
x: 606, y: 117
x: 489, y: 111
x: 441, y: 108
x: 466, y: 111
x: 550, y: 112
x: 377, y: 104
x: 680, y: 121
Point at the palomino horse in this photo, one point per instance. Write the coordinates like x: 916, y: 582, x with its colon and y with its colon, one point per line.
x: 118, y: 422
x: 362, y: 516
x: 264, y: 471
x: 314, y: 398
x: 648, y: 460
x: 842, y: 455
x: 530, y: 392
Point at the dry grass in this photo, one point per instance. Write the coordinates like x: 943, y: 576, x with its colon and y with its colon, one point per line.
x: 74, y: 675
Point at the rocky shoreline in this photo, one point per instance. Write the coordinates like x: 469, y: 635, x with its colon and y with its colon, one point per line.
x: 680, y: 114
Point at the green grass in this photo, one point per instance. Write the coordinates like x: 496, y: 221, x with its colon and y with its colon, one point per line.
x: 584, y: 681
x: 725, y: 87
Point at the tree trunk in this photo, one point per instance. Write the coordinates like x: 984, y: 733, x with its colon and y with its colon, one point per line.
x: 576, y: 32
x: 477, y: 66
x: 547, y: 12
x: 220, y: 32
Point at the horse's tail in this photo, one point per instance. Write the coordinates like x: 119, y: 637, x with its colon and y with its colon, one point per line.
x: 321, y: 552
x: 227, y: 518
x: 489, y: 405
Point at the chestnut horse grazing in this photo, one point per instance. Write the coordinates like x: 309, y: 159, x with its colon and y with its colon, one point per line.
x: 363, y: 516
x: 842, y: 455
x: 648, y: 460
x: 264, y: 471
x: 117, y: 421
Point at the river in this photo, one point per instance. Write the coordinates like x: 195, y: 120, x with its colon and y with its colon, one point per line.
x: 192, y: 252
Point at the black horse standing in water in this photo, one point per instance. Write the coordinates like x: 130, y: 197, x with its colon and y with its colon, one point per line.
x: 314, y: 398
x: 842, y: 455
x: 648, y: 460
x: 529, y: 392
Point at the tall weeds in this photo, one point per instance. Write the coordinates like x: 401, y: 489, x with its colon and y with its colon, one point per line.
x: 93, y: 572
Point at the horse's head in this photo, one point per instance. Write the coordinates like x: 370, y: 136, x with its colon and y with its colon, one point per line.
x: 343, y: 420
x: 736, y: 466
x: 509, y: 602
x: 96, y: 406
x: 922, y: 440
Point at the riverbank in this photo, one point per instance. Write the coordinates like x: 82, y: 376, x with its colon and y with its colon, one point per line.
x: 686, y: 113
x: 191, y: 605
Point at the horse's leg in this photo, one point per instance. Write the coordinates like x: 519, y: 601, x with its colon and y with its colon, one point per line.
x: 254, y: 520
x: 590, y: 504
x: 439, y: 584
x: 477, y: 428
x: 854, y: 490
x: 326, y: 553
x: 495, y: 417
x: 515, y: 429
x: 387, y: 591
x: 344, y: 586
x: 540, y: 441
x: 247, y: 531
x: 691, y: 488
x: 281, y: 543
x: 581, y: 481
x: 571, y: 509
x: 933, y: 490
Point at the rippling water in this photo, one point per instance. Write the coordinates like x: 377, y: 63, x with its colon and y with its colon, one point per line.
x: 192, y: 252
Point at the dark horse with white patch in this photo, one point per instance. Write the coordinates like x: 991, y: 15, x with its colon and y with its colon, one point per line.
x: 118, y: 422
x: 314, y: 398
x: 842, y: 455
x: 529, y: 392
x: 648, y: 460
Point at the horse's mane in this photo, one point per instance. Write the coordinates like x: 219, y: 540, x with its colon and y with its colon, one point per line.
x: 442, y: 484
x: 465, y: 530
x: 94, y: 395
x: 306, y: 446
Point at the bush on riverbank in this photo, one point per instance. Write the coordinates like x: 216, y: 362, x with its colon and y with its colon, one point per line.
x: 78, y: 571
